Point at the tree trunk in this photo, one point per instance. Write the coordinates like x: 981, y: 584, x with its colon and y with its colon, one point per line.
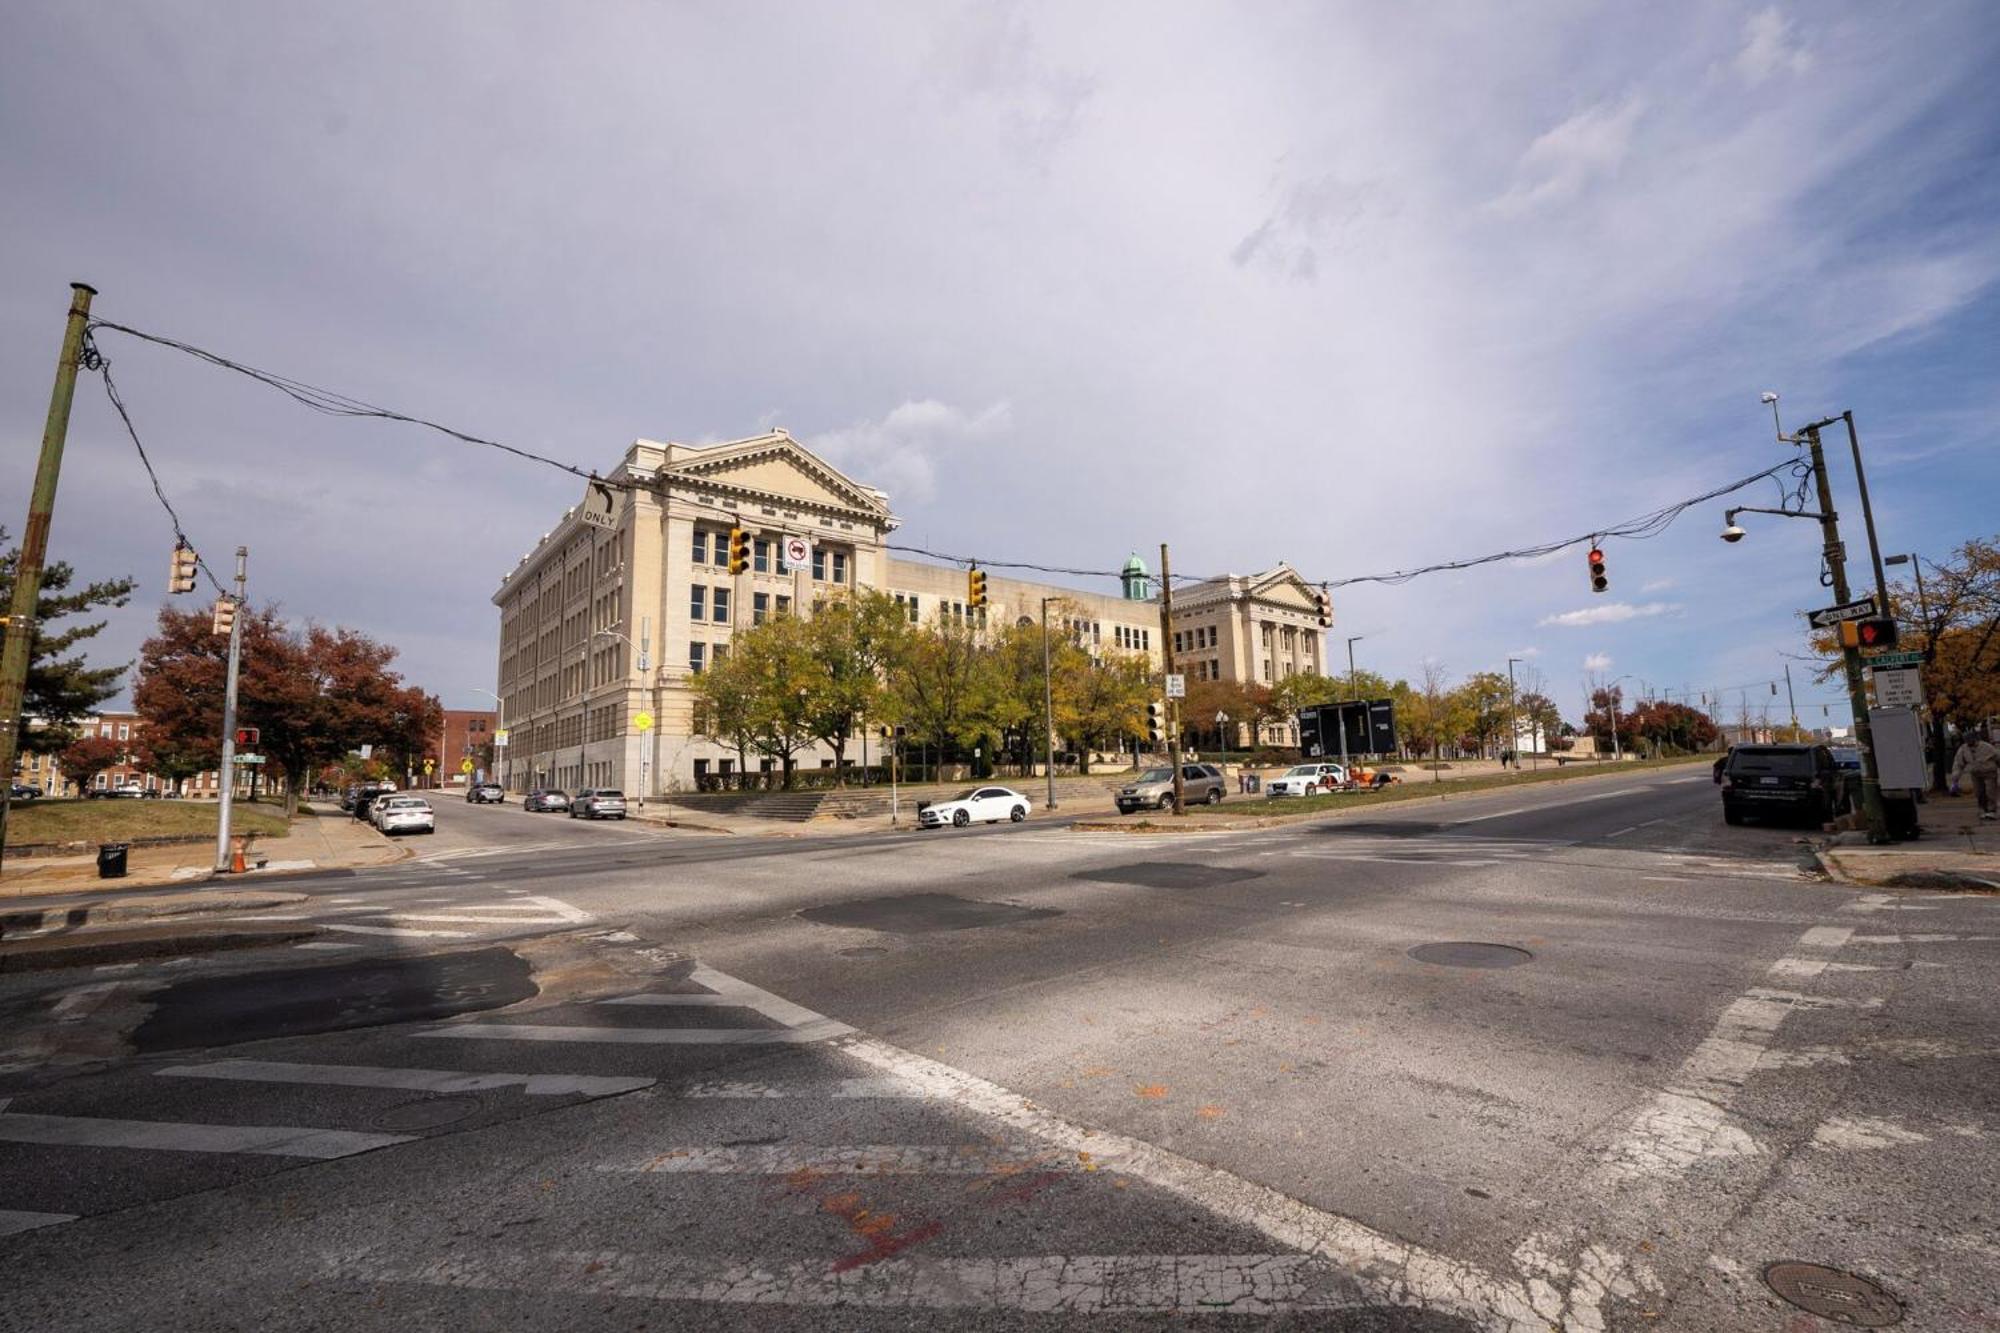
x: 840, y: 760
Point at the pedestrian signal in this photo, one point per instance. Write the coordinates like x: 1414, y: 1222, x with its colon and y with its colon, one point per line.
x: 1875, y: 632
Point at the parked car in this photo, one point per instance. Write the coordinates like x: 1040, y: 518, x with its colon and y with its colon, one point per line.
x: 1802, y: 781
x: 545, y: 798
x: 486, y: 793
x: 404, y: 814
x: 1306, y: 779
x: 347, y: 797
x: 1154, y: 789
x: 598, y: 803
x: 980, y: 805
x: 23, y: 792
x: 366, y: 795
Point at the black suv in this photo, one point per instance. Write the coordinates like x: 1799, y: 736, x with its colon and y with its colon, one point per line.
x: 1802, y: 781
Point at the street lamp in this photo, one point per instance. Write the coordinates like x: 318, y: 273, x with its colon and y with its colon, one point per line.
x: 1350, y: 661
x: 499, y: 719
x: 1834, y: 554
x: 1221, y: 737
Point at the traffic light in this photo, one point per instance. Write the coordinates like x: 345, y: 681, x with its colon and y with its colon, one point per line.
x: 1156, y: 721
x: 181, y: 579
x: 225, y: 616
x: 1598, y: 581
x: 975, y: 588
x: 1323, y: 608
x: 1876, y: 632
x: 739, y: 550
x: 246, y: 736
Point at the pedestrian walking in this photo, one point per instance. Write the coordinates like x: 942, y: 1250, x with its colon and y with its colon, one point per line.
x: 1978, y: 759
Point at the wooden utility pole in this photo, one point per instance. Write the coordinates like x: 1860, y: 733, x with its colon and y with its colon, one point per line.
x: 1167, y: 655
x: 22, y: 628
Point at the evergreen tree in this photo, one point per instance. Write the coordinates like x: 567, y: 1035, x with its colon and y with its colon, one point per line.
x: 62, y: 687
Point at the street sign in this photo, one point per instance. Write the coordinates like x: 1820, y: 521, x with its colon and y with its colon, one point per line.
x: 249, y: 758
x: 1882, y: 660
x: 1828, y: 617
x: 642, y: 722
x: 798, y: 551
x: 500, y: 739
x: 464, y: 765
x: 430, y: 765
x: 1176, y: 685
x: 1900, y: 688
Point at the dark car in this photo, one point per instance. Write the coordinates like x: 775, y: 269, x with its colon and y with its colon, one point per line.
x: 365, y: 797
x: 23, y: 792
x: 1795, y: 781
x: 598, y: 803
x: 486, y: 793
x: 543, y: 799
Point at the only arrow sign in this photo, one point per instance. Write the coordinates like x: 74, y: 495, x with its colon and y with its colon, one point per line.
x: 1828, y: 617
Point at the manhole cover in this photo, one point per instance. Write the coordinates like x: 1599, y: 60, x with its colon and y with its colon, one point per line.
x: 864, y: 951
x: 1845, y: 1298
x: 922, y: 913
x: 1168, y: 875
x: 430, y: 1113
x: 1463, y: 953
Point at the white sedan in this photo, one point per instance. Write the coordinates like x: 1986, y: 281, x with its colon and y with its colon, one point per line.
x: 403, y: 814
x: 1306, y: 780
x: 981, y: 805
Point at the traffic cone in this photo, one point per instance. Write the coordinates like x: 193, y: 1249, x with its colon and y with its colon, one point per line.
x: 236, y: 845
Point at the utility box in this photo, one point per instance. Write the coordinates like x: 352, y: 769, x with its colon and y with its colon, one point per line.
x: 1899, y: 748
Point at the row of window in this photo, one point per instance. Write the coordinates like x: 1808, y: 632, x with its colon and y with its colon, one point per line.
x: 1137, y: 640
x: 711, y: 548
x: 1201, y: 636
x: 701, y: 655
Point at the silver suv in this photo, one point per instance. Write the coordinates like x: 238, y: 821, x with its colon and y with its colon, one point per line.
x: 1154, y: 789
x: 598, y: 803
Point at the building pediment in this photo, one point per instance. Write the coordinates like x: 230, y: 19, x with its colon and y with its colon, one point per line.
x: 1283, y: 587
x: 778, y: 468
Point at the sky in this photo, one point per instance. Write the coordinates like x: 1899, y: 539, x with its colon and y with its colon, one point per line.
x: 1359, y: 287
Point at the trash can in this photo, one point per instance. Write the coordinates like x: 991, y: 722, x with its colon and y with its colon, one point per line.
x: 111, y: 860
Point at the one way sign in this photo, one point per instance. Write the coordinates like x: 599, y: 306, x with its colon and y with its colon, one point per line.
x: 1828, y: 617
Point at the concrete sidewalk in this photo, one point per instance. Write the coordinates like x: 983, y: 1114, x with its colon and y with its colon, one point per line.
x: 314, y: 842
x: 1957, y: 851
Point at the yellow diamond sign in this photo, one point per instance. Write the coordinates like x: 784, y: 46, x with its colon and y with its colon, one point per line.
x: 642, y: 722
x: 464, y: 766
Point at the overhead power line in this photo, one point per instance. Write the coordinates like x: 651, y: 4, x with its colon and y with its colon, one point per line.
x: 334, y: 403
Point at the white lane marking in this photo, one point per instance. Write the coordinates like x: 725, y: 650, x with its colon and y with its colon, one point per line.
x: 1622, y: 832
x: 1087, y: 1284
x: 774, y: 1007
x: 84, y: 1001
x: 416, y: 1080
x: 179, y: 1136
x: 115, y: 967
x: 13, y: 1220
x: 1552, y: 805
x: 326, y: 944
x: 1923, y: 939
x: 835, y: 1088
x: 396, y: 931
x: 1666, y: 879
x: 1882, y: 902
x: 337, y: 901
x: 1805, y: 969
x: 654, y: 999
x: 820, y: 1031
x: 1386, y: 1270
x: 882, y: 1159
x: 1841, y: 1133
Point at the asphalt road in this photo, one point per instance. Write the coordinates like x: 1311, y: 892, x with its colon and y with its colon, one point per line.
x: 1032, y: 1077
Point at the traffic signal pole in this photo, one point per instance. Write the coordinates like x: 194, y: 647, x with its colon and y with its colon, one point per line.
x: 21, y: 630
x: 222, y: 858
x: 1836, y: 564
x: 1167, y: 655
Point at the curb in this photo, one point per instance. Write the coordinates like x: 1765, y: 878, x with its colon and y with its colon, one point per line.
x: 81, y: 914
x: 1950, y: 881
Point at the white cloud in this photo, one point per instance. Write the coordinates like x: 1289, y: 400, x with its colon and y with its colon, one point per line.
x: 1656, y: 585
x: 1768, y: 48
x: 902, y: 452
x: 1611, y: 613
x: 1557, y: 166
x: 1597, y: 662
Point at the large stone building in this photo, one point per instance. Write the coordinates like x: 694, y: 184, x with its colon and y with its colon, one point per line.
x: 604, y: 624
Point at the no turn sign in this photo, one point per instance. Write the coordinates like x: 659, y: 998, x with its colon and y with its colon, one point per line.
x: 798, y: 551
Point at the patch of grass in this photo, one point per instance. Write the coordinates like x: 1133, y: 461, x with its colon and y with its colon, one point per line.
x: 1412, y: 789
x: 127, y: 820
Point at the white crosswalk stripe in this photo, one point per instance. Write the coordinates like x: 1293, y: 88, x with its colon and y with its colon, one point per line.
x: 414, y: 1080
x: 175, y: 1136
